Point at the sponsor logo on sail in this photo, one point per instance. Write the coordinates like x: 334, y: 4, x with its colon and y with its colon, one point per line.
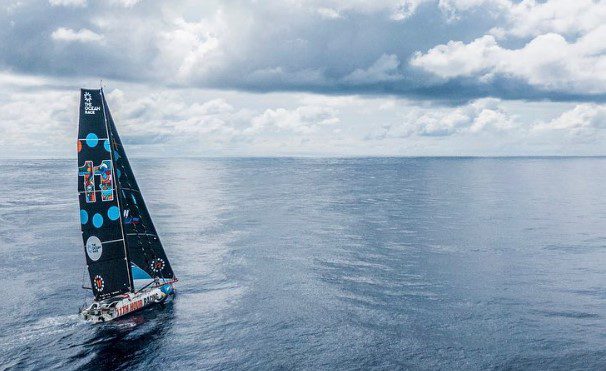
x: 98, y: 283
x: 94, y: 248
x: 157, y: 265
x: 89, y: 109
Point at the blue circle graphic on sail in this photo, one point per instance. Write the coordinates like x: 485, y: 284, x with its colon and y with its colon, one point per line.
x: 113, y: 213
x: 97, y: 220
x: 83, y: 217
x: 92, y: 139
x: 106, y: 145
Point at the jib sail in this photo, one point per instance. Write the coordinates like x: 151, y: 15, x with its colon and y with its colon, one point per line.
x: 100, y: 215
x: 145, y: 251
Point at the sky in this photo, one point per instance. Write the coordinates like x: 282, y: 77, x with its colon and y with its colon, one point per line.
x: 308, y: 77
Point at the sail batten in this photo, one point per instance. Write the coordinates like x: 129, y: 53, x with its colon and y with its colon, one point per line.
x: 97, y: 191
x: 118, y: 240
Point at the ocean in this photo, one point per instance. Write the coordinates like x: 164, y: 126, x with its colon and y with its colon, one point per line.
x: 370, y: 263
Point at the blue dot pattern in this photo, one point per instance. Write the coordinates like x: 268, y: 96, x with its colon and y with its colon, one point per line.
x: 98, y: 220
x: 92, y: 139
x: 113, y: 213
x: 83, y: 217
x: 106, y: 145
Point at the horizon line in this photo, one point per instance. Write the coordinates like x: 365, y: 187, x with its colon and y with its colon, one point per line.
x: 327, y: 157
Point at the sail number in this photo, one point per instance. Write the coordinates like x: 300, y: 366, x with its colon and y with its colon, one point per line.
x: 106, y: 186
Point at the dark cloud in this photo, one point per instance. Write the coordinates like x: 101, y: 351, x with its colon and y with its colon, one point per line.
x: 260, y: 47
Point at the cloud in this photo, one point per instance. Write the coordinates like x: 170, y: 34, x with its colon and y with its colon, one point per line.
x: 383, y: 69
x: 490, y: 122
x: 187, y: 49
x: 74, y: 3
x: 83, y: 35
x: 457, y: 58
x: 530, y: 18
x: 483, y: 115
x: 434, y: 52
x: 583, y: 119
x: 453, y: 9
x: 125, y: 3
x: 37, y: 119
x: 548, y: 62
x: 329, y: 13
x: 303, y: 119
x: 397, y: 10
x: 34, y: 124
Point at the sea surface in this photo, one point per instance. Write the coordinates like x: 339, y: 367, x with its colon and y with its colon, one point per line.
x: 379, y: 263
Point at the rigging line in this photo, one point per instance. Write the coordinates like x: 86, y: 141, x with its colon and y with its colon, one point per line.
x: 84, y: 292
x: 154, y: 281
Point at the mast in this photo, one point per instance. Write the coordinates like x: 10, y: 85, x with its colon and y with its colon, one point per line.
x: 117, y: 188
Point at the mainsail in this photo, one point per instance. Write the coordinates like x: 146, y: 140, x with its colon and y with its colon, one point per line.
x: 120, y: 240
x: 104, y: 244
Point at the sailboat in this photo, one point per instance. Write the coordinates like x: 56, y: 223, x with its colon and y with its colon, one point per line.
x: 126, y: 262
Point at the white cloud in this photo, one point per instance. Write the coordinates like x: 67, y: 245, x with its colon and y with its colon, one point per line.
x: 9, y: 80
x: 304, y: 119
x: 193, y: 122
x: 397, y: 10
x: 490, y: 121
x: 566, y: 52
x: 383, y: 69
x: 458, y: 59
x: 83, y: 35
x: 454, y: 8
x: 482, y: 115
x: 530, y: 18
x: 582, y: 119
x: 329, y: 13
x: 37, y: 123
x: 405, y: 9
x: 548, y: 61
x: 125, y: 3
x: 190, y: 49
x: 74, y: 3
